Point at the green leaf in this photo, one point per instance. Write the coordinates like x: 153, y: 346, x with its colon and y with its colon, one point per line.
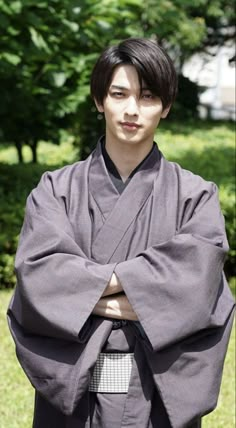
x: 104, y: 24
x: 16, y: 6
x: 11, y: 58
x: 5, y: 8
x: 59, y: 79
x: 73, y: 26
x: 76, y: 10
x: 12, y: 31
x: 38, y: 40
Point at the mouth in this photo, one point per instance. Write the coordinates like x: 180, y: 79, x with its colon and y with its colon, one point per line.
x: 130, y: 125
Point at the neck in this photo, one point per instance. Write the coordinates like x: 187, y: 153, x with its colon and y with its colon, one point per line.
x: 127, y: 157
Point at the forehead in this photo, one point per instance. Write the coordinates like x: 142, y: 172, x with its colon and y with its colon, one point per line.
x: 125, y: 76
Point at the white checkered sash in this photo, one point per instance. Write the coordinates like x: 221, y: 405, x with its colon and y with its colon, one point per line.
x: 112, y: 373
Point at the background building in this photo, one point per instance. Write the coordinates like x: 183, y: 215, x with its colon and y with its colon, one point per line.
x: 215, y: 75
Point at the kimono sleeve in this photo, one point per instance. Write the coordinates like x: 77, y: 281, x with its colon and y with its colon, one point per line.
x: 177, y: 287
x: 57, y: 285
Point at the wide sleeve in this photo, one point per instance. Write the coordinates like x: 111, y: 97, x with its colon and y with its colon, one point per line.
x: 57, y: 285
x: 177, y: 287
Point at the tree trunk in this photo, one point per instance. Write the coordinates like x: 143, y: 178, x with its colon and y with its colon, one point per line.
x: 18, y: 146
x: 33, y: 147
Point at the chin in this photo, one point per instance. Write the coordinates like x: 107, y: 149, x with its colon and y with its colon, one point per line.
x: 128, y: 139
x: 130, y: 136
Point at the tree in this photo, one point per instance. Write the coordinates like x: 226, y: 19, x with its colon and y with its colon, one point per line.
x: 47, y: 50
x: 186, y: 27
x: 39, y: 70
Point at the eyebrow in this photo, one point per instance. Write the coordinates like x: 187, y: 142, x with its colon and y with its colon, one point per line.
x: 119, y: 87
x: 127, y: 89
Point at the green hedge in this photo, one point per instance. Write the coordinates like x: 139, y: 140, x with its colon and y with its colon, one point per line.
x: 16, y: 183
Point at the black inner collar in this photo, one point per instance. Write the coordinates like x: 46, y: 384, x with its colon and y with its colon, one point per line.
x: 113, y: 172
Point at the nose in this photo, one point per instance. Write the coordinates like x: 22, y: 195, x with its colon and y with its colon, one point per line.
x: 131, y: 106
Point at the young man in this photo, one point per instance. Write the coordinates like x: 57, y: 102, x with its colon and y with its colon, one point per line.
x: 121, y: 314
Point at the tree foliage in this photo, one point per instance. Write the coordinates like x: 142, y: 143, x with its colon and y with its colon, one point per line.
x: 187, y: 26
x: 47, y: 49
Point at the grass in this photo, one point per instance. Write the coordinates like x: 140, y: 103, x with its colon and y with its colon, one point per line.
x: 16, y: 404
x: 205, y: 148
x: 50, y: 154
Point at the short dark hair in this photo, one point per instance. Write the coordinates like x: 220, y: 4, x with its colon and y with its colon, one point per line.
x: 152, y: 63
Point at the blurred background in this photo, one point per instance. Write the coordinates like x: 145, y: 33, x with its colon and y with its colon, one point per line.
x: 47, y: 119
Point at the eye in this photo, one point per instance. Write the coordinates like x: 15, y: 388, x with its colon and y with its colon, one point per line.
x: 147, y: 96
x: 117, y: 94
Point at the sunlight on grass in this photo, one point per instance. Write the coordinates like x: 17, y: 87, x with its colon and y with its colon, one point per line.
x: 224, y: 415
x: 174, y: 143
x: 48, y: 153
x: 16, y: 404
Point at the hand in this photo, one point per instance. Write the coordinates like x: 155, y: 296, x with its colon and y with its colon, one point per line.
x: 115, y: 307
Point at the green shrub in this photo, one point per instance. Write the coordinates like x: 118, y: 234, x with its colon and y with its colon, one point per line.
x: 16, y: 183
x: 187, y: 100
x: 7, y: 275
x: 227, y: 200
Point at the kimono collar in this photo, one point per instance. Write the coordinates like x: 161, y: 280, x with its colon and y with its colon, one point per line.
x: 100, y: 183
x: 118, y: 211
x: 114, y: 173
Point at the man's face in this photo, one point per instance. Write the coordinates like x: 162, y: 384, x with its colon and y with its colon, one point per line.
x: 131, y: 116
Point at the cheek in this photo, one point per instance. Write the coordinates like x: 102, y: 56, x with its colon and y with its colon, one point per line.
x: 152, y: 113
x: 112, y: 112
x: 153, y: 119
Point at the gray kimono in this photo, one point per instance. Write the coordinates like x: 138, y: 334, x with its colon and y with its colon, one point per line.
x: 164, y: 238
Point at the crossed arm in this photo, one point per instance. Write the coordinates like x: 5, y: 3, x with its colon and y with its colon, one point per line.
x: 114, y: 303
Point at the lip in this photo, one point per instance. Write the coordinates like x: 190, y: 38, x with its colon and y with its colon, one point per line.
x: 130, y: 125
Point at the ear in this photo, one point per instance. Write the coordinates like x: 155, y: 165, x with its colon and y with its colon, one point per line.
x: 99, y: 106
x: 165, y: 112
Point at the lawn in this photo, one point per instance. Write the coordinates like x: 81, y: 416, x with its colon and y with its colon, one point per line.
x: 205, y: 148
x: 16, y: 404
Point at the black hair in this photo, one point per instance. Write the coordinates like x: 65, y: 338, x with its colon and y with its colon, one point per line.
x: 152, y: 63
